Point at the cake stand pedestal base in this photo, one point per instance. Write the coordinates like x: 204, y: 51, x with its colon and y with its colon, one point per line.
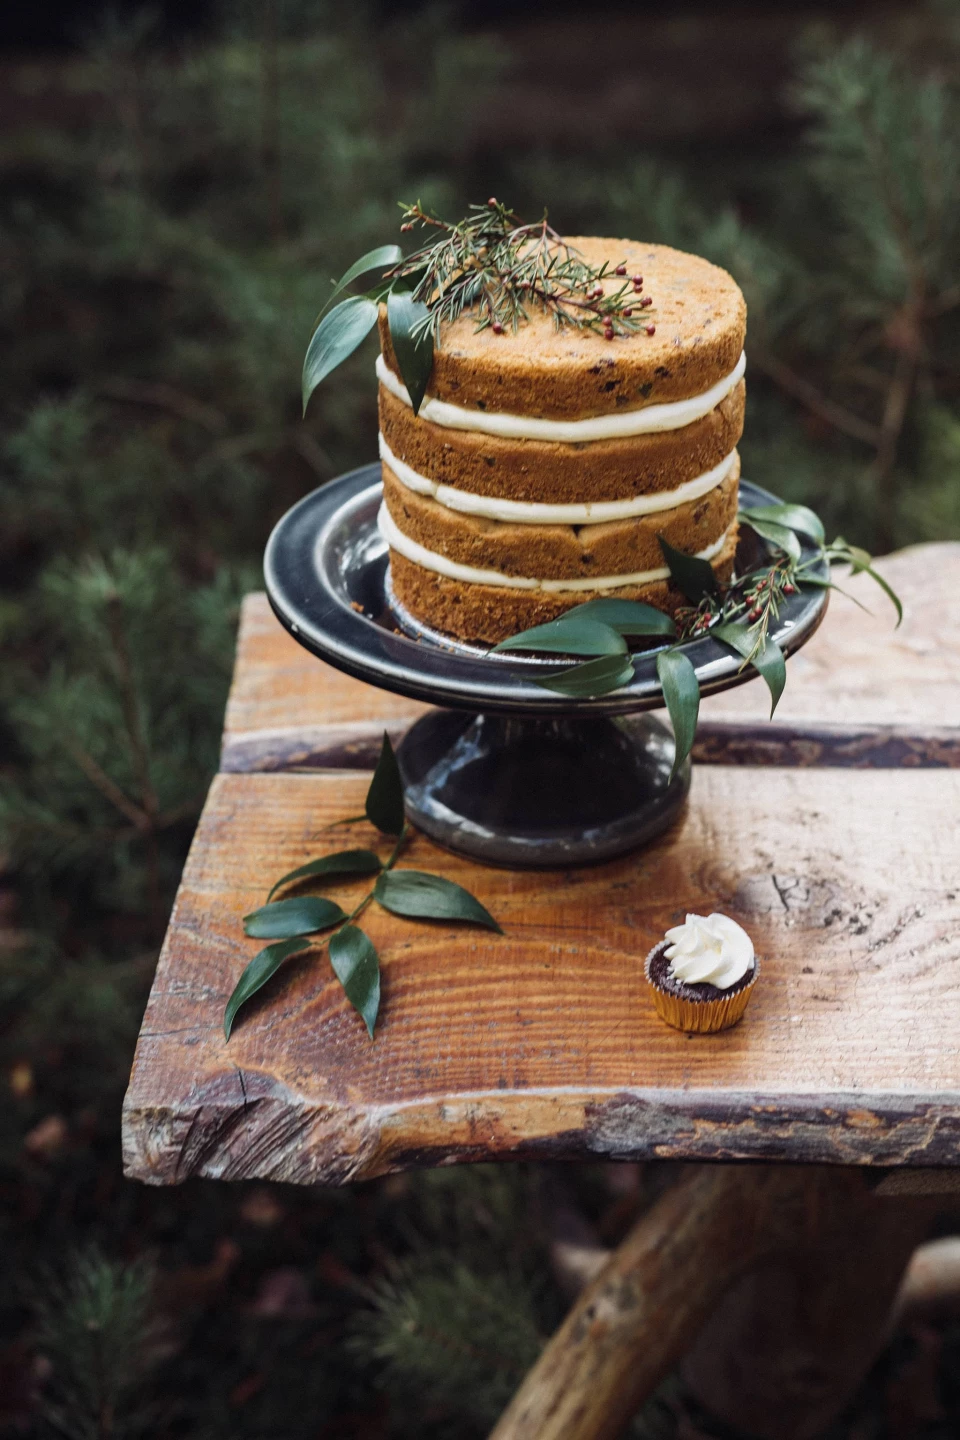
x: 545, y: 791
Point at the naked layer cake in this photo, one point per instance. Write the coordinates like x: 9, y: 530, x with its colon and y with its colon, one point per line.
x: 545, y: 464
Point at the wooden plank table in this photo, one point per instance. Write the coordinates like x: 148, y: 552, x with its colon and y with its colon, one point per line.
x: 544, y: 1042
x: 840, y: 854
x: 860, y: 692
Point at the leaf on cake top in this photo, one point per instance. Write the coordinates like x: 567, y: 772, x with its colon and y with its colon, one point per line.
x: 339, y: 333
x: 412, y: 343
x: 491, y: 265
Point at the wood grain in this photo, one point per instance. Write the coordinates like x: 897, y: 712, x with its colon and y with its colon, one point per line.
x: 860, y: 694
x: 858, y: 669
x: 287, y: 710
x: 544, y: 1042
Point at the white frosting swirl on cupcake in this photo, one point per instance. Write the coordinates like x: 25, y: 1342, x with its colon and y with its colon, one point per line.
x: 709, y: 950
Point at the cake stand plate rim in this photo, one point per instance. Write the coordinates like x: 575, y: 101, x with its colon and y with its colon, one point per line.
x: 306, y: 578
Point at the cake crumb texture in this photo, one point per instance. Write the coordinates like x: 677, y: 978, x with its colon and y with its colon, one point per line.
x: 562, y: 552
x: 490, y: 613
x: 700, y: 317
x: 562, y: 474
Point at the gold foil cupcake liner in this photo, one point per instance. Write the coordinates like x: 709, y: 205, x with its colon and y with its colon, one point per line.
x: 701, y: 1017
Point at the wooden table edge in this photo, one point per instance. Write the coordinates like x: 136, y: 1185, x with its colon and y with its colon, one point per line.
x: 277, y: 1134
x: 356, y: 745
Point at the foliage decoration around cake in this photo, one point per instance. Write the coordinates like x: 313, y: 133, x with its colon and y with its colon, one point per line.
x: 739, y: 615
x: 292, y: 923
x: 490, y: 264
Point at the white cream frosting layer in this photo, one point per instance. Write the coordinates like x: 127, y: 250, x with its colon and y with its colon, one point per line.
x: 471, y: 575
x: 529, y: 512
x: 672, y: 415
x: 709, y: 950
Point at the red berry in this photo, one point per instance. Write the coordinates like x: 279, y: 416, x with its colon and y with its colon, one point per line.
x: 637, y: 279
x: 789, y: 589
x: 492, y: 202
x: 651, y: 329
x: 647, y: 300
x: 497, y: 328
x: 620, y: 270
x: 754, y: 614
x: 608, y: 332
x: 627, y: 314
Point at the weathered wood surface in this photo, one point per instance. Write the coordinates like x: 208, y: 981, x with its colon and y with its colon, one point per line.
x: 544, y: 1042
x: 859, y: 670
x: 859, y: 694
x: 806, y: 1263
x: 288, y: 710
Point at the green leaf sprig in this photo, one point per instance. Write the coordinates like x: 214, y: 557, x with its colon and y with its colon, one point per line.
x: 490, y: 264
x: 497, y: 266
x: 739, y: 615
x: 413, y: 894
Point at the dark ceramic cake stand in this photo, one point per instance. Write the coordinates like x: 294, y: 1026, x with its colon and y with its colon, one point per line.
x: 504, y: 771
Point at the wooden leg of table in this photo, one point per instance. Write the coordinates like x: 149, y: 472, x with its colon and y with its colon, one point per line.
x: 630, y: 1326
x: 790, y: 1342
x: 653, y: 1298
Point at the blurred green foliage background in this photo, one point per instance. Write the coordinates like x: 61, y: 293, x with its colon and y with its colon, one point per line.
x: 171, y: 218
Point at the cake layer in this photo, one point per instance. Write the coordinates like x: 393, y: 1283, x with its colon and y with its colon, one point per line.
x: 699, y: 317
x: 475, y: 575
x: 574, y: 552
x: 625, y: 423
x: 535, y: 512
x: 562, y: 474
x: 490, y: 613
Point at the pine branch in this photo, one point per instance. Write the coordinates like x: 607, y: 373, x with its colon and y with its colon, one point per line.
x: 139, y: 752
x: 817, y: 403
x: 894, y: 417
x: 112, y: 792
x: 462, y: 1336
x: 131, y: 705
x: 270, y: 118
x: 160, y: 396
x: 312, y: 452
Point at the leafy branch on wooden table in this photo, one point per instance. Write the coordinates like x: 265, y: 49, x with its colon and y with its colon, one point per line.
x: 739, y: 615
x: 491, y: 264
x: 413, y: 894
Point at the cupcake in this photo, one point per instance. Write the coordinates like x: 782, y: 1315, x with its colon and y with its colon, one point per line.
x: 701, y: 975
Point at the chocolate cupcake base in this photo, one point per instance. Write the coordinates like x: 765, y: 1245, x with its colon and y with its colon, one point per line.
x: 701, y: 1009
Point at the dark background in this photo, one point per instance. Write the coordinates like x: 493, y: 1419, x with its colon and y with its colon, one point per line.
x: 177, y: 188
x: 61, y: 26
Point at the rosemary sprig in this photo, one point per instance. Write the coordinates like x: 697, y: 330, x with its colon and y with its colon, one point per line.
x: 494, y: 264
x: 754, y: 599
x: 490, y: 265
